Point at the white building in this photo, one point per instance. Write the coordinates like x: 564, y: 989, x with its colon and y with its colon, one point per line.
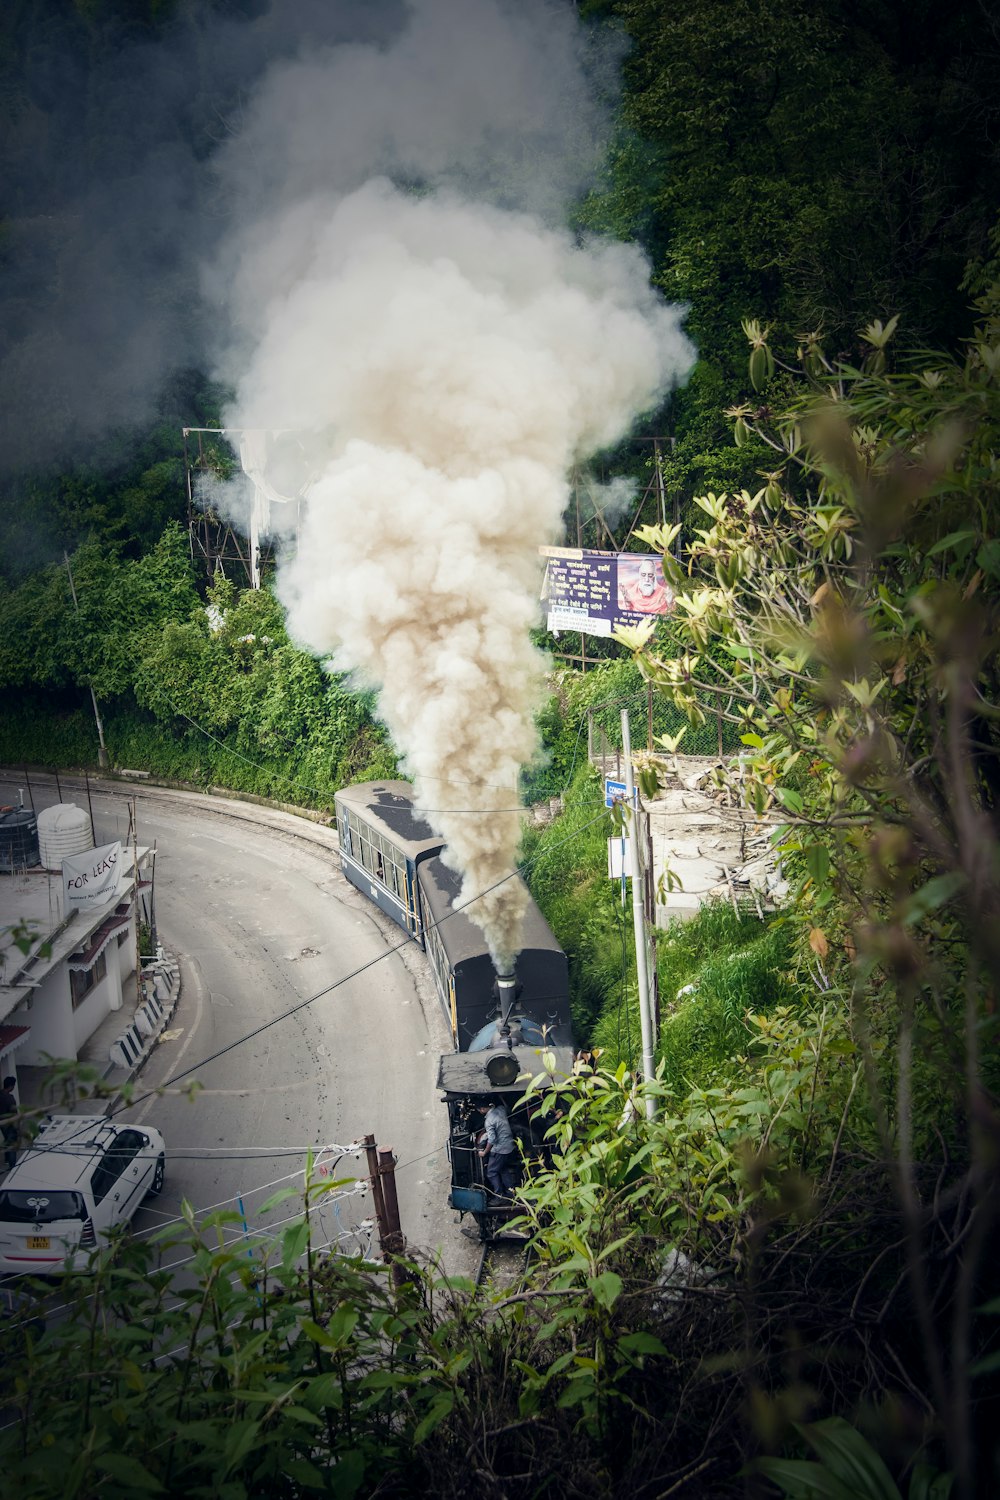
x: 78, y: 966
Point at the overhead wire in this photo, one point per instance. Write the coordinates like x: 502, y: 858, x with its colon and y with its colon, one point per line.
x: 311, y: 999
x: 629, y: 698
x: 354, y: 974
x: 361, y: 1184
x: 344, y: 979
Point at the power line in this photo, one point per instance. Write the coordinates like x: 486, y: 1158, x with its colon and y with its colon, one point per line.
x: 311, y: 999
x: 346, y: 978
x: 442, y: 780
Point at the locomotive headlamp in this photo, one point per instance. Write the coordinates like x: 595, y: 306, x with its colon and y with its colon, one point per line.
x: 502, y: 1069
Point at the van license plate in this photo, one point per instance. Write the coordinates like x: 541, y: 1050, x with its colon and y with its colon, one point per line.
x: 38, y: 1242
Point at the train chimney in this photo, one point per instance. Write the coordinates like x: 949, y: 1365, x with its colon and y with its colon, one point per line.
x: 506, y: 988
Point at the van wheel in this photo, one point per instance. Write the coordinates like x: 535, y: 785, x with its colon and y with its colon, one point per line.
x: 156, y: 1186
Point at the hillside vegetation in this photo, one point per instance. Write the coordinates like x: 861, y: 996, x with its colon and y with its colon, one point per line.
x: 784, y: 1283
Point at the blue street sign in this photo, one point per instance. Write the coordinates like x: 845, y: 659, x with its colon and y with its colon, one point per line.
x: 616, y: 791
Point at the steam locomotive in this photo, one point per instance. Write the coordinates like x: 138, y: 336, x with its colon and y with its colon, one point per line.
x: 499, y: 1023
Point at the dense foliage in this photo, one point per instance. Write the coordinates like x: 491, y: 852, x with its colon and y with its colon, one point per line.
x: 215, y: 695
x: 858, y: 596
x: 816, y: 165
x: 686, y: 1305
x: 804, y: 1232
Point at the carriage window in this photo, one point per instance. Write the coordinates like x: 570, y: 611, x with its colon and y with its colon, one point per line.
x: 436, y: 953
x: 394, y: 869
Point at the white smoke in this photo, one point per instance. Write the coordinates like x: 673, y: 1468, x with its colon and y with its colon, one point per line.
x: 452, y: 358
x: 610, y: 500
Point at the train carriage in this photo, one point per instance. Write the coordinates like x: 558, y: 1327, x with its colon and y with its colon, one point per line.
x: 393, y: 857
x: 382, y: 841
x: 500, y: 1023
x: 464, y: 970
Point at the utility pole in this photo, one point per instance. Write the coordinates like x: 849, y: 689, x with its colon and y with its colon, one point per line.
x: 133, y: 819
x: 649, y: 909
x: 102, y: 754
x: 645, y: 1007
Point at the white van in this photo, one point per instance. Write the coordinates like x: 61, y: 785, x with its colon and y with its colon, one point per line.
x: 81, y: 1176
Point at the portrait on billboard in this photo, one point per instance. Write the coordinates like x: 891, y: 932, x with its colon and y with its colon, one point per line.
x: 642, y: 588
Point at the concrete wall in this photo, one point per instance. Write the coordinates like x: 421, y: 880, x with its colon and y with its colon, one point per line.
x: 102, y: 1000
x: 56, y: 1028
x: 126, y: 953
x: 51, y: 1020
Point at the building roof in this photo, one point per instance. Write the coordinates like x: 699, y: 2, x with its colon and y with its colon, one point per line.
x: 12, y: 1036
x: 388, y: 806
x: 101, y: 936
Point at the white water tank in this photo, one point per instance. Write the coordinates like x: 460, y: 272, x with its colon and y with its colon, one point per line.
x: 62, y: 830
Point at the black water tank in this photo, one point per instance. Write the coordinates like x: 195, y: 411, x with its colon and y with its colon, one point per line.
x: 18, y: 840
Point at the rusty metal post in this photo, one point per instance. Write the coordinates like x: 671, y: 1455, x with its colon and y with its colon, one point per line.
x: 371, y: 1151
x: 382, y: 1175
x: 395, y: 1242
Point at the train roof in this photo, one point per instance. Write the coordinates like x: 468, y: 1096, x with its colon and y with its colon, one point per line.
x: 460, y: 936
x: 466, y: 1072
x: 388, y: 806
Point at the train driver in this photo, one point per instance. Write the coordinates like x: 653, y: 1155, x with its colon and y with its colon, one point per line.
x: 500, y: 1151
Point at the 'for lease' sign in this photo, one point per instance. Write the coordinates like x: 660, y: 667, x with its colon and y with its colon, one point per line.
x: 93, y: 878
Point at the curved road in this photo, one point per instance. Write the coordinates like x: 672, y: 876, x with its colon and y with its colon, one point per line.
x: 252, y: 902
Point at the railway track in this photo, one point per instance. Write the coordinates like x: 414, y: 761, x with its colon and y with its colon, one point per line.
x: 502, y: 1264
x: 296, y: 824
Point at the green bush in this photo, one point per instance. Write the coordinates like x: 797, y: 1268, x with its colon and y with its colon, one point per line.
x: 733, y: 965
x: 599, y: 695
x: 565, y: 864
x: 41, y: 729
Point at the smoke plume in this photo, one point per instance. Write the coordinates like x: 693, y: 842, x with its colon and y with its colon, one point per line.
x: 110, y: 124
x: 400, y: 293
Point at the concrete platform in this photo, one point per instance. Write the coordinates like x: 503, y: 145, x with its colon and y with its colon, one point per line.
x: 714, y: 847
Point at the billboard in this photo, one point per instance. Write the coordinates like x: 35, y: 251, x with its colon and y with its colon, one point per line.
x: 592, y: 592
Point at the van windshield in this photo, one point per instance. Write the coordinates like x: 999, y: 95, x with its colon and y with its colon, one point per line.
x: 40, y: 1206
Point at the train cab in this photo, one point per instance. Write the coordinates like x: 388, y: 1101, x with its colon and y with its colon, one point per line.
x: 470, y: 1083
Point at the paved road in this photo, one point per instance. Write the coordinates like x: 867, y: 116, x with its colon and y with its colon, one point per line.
x: 253, y: 903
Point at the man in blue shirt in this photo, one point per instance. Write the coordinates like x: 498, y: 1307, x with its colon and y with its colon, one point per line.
x: 500, y: 1151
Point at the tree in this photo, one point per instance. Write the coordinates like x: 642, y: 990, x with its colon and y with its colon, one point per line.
x: 857, y: 595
